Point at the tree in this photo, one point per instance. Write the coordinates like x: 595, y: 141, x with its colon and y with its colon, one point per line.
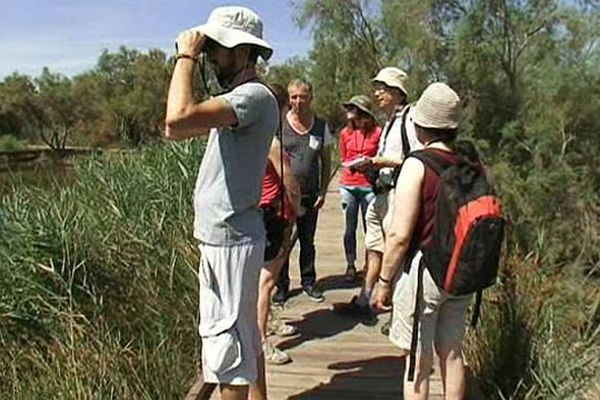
x: 16, y: 100
x: 291, y: 69
x: 56, y: 110
x: 133, y: 88
x: 346, y: 53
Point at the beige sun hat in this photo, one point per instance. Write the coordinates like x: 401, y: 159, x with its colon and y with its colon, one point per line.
x: 361, y: 102
x: 438, y: 107
x: 231, y: 26
x: 393, y: 77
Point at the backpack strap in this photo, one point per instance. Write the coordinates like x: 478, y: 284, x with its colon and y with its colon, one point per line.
x: 404, y: 134
x: 415, y: 328
x: 405, y: 145
x: 476, y: 309
x: 437, y: 163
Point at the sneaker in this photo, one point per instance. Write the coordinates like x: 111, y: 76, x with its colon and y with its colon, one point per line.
x: 274, y: 356
x: 350, y: 275
x: 313, y: 293
x: 279, y: 328
x: 280, y: 296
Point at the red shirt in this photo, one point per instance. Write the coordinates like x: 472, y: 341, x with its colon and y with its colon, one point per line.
x: 355, y: 143
x: 271, y: 192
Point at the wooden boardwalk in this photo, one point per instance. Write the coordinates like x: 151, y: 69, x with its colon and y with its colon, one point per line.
x: 335, y: 358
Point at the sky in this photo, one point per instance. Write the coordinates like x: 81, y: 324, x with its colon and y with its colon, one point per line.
x: 67, y: 36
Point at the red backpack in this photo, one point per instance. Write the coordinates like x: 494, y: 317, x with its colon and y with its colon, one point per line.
x: 464, y: 253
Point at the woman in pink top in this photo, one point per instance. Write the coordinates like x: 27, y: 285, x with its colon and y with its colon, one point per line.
x: 359, y: 139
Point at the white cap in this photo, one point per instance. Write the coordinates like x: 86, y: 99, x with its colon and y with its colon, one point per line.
x: 232, y: 26
x: 393, y: 77
x: 438, y: 107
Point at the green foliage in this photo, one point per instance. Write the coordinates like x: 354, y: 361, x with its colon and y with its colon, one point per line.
x: 133, y: 88
x: 11, y: 143
x: 122, y: 100
x: 346, y: 52
x: 93, y: 253
x: 98, y: 293
x: 528, y: 73
x: 283, y: 74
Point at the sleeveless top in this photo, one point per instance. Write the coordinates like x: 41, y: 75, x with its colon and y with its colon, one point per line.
x: 304, y: 151
x: 429, y: 192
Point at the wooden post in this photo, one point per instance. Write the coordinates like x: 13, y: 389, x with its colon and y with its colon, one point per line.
x: 200, y: 390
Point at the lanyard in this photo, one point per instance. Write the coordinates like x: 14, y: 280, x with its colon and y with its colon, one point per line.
x: 356, y: 132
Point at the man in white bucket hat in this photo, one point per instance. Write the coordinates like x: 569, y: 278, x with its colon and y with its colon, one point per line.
x: 241, y: 124
x: 391, y: 95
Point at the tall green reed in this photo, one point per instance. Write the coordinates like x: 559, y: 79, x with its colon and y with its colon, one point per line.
x: 98, y: 292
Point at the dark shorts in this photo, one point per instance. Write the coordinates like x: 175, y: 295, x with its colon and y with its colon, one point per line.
x: 276, y: 228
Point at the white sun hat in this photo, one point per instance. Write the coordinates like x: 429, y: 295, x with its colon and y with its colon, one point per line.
x: 231, y: 26
x: 393, y: 77
x: 438, y: 107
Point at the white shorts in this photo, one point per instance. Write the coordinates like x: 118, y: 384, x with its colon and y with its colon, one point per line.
x: 228, y: 327
x: 442, y: 316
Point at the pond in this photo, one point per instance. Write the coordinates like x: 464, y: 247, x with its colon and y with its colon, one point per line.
x: 42, y: 174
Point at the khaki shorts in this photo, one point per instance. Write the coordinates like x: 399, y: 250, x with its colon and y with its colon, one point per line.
x: 442, y: 317
x: 228, y: 327
x: 379, y: 216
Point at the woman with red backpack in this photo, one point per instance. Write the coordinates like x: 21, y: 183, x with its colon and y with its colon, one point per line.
x: 435, y: 279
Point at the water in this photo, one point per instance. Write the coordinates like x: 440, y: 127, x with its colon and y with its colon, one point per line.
x: 42, y: 174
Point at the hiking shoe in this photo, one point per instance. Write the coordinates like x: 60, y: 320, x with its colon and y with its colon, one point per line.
x: 277, y: 327
x: 313, y: 293
x: 350, y: 275
x: 280, y: 296
x: 274, y: 356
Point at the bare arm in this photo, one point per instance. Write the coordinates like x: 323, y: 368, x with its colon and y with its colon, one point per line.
x: 184, y: 118
x: 381, y: 162
x: 291, y: 185
x: 407, y: 205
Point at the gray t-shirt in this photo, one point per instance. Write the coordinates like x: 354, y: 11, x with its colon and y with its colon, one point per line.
x: 229, y: 181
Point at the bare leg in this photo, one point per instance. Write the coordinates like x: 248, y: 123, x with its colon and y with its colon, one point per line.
x: 418, y: 389
x: 258, y: 390
x: 233, y: 392
x: 453, y: 372
x: 268, y: 278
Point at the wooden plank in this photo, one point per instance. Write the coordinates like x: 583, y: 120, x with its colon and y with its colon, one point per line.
x: 335, y: 357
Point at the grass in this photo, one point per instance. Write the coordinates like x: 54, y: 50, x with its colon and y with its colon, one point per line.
x: 98, y: 293
x: 539, y: 335
x: 11, y: 143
